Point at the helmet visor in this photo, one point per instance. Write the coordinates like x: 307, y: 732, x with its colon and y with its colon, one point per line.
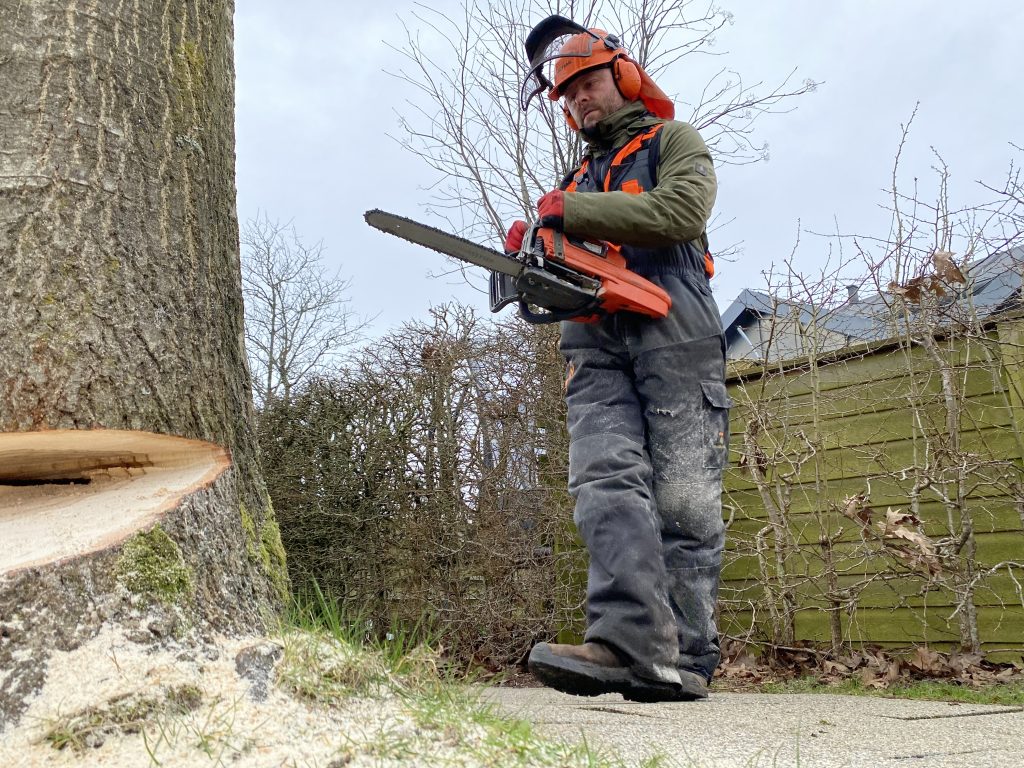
x: 544, y: 45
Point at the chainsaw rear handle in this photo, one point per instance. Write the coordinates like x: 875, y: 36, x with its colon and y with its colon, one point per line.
x: 554, y: 316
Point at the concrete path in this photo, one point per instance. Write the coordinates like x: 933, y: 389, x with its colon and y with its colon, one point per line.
x: 780, y: 731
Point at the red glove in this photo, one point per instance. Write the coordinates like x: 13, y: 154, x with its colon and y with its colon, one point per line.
x: 514, y: 238
x: 552, y: 209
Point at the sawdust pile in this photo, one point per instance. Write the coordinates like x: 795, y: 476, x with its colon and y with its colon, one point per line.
x: 218, y: 701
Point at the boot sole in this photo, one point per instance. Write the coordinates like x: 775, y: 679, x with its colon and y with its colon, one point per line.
x: 580, y: 678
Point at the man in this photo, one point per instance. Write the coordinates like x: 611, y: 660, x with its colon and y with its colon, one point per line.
x: 647, y: 404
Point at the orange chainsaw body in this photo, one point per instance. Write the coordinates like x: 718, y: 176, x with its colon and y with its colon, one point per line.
x: 621, y: 289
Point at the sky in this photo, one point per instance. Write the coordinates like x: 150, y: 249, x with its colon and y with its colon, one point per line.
x: 317, y: 111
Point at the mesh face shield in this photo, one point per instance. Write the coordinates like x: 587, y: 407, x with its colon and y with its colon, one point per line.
x: 544, y: 47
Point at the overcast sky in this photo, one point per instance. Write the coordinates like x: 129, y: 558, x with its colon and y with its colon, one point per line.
x: 315, y: 106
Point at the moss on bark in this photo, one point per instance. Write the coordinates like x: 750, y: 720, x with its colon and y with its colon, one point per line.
x: 264, y: 546
x: 151, y: 566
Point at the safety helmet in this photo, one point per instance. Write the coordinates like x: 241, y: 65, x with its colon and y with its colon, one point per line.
x: 589, y: 50
x: 585, y: 50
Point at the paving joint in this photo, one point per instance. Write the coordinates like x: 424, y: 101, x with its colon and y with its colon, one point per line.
x: 955, y: 715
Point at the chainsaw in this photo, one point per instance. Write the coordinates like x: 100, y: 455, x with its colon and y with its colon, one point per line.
x: 553, y: 277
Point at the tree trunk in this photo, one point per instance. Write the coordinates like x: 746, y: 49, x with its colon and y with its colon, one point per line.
x: 129, y: 485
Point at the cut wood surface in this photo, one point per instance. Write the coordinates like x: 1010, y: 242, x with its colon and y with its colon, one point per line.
x: 65, y: 493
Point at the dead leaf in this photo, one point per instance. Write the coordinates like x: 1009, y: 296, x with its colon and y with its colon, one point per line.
x: 925, y: 544
x: 892, y: 672
x: 961, y: 662
x: 907, y: 527
x: 894, y: 518
x: 946, y: 268
x: 927, y: 661
x: 911, y: 291
x: 835, y: 668
x: 870, y: 679
x: 915, y: 287
x: 856, y: 508
x: 853, y: 661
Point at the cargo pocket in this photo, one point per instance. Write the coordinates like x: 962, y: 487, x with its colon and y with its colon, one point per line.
x: 716, y: 424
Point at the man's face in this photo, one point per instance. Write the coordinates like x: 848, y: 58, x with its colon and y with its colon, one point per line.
x: 592, y: 96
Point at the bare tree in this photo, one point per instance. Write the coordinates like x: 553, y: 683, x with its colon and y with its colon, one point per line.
x: 494, y: 159
x: 297, y: 321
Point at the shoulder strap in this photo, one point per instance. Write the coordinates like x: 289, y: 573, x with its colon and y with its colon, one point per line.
x: 572, y: 180
x: 631, y: 147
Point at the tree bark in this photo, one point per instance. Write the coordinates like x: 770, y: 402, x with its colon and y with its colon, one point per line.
x: 121, y: 333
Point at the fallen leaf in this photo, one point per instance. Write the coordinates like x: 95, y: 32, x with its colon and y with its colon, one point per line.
x: 961, y: 662
x: 927, y: 661
x: 834, y: 669
x: 892, y: 672
x: 870, y: 679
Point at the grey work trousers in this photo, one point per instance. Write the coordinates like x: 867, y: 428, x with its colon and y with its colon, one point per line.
x: 649, y: 431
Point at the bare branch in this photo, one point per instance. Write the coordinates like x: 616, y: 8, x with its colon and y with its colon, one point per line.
x: 297, y: 322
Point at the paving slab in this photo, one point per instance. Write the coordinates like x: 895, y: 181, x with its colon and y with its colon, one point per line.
x: 779, y: 730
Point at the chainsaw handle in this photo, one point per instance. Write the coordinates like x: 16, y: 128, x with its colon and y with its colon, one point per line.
x: 555, y: 316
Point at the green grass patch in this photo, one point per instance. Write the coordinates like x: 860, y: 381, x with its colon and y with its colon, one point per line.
x: 398, y: 643
x: 487, y: 737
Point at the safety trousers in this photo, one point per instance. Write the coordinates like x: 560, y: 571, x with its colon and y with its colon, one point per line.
x: 649, y: 432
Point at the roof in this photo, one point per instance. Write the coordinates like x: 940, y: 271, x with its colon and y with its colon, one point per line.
x: 993, y: 285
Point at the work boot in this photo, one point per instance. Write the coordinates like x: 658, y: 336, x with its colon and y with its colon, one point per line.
x: 593, y: 668
x: 694, y: 686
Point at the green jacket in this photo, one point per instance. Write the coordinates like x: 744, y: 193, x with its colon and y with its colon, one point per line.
x: 675, y: 211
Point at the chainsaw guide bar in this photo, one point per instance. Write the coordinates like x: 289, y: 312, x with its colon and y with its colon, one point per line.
x: 444, y: 242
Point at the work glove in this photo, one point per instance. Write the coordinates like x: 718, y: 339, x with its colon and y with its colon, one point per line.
x: 551, y: 208
x: 514, y: 238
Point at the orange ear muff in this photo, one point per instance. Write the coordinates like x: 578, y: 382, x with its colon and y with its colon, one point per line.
x: 569, y: 118
x: 627, y: 78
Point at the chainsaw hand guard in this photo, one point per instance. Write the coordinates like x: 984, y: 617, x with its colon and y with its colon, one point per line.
x: 503, y: 291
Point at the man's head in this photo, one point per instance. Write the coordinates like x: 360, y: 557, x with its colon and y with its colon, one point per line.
x: 594, y: 49
x: 595, y: 76
x: 586, y: 52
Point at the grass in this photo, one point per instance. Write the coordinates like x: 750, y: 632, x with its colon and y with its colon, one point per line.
x: 330, y: 655
x: 90, y: 727
x: 922, y: 690
x: 487, y: 737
